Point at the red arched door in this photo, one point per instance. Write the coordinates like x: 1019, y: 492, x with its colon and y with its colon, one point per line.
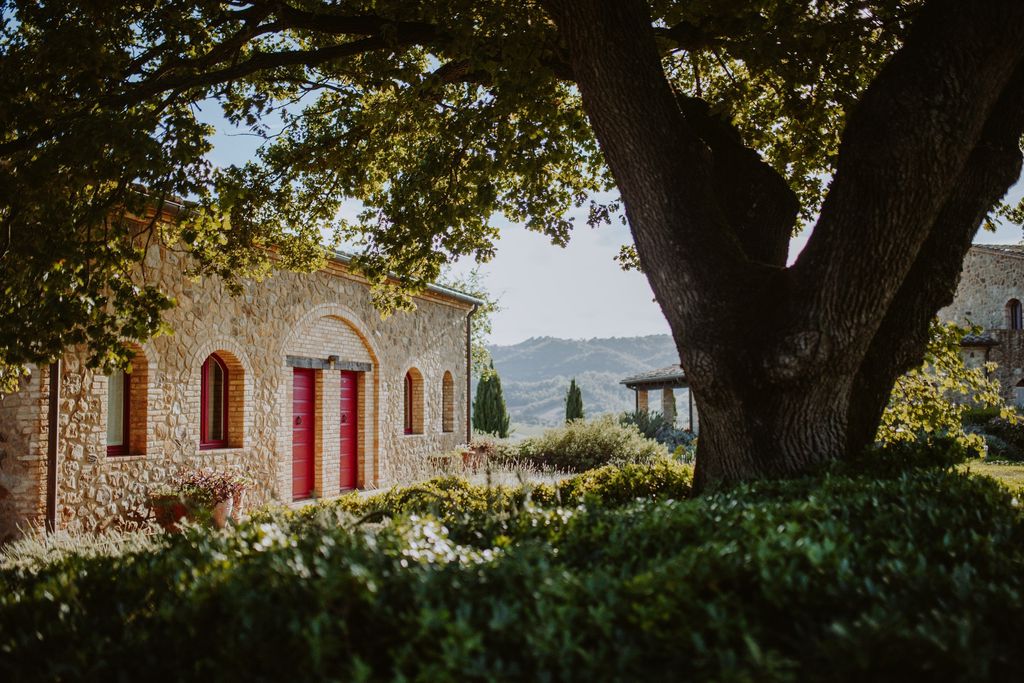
x: 303, y: 432
x: 349, y: 428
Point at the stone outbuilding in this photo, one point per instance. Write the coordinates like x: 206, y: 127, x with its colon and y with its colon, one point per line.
x: 990, y: 295
x: 666, y: 380
x: 297, y: 382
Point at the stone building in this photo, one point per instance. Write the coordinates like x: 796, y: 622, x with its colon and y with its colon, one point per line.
x: 989, y: 295
x: 297, y: 382
x: 665, y: 380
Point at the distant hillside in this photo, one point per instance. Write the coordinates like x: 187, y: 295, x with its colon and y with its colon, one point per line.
x: 535, y: 373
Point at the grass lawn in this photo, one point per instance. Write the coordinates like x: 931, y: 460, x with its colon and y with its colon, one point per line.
x: 1010, y: 474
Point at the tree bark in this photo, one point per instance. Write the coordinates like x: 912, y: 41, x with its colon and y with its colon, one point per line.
x: 792, y: 367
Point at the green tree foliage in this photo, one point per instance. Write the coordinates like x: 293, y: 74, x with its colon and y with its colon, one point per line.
x: 441, y: 117
x: 434, y: 115
x: 573, y: 402
x: 483, y: 317
x: 489, y: 413
x: 932, y: 400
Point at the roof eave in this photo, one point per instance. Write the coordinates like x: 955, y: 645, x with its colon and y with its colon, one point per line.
x: 345, y: 258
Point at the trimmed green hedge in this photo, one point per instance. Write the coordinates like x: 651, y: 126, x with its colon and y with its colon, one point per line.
x: 914, y: 574
x: 469, y: 510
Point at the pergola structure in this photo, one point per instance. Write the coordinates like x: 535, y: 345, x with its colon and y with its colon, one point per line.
x: 668, y: 380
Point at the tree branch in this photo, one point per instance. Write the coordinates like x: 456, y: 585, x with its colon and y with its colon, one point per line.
x: 662, y: 168
x: 381, y: 34
x: 903, y: 152
x: 994, y: 165
x: 759, y: 204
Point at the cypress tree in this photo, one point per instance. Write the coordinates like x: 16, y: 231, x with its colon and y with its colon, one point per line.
x: 574, y: 402
x: 489, y: 413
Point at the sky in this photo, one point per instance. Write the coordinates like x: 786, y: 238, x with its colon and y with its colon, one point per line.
x: 576, y: 292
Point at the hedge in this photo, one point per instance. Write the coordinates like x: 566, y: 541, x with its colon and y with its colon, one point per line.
x: 916, y: 573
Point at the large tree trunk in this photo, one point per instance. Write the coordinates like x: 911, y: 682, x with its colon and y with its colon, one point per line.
x: 791, y: 367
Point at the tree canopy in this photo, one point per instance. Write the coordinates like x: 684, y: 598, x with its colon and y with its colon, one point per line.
x: 718, y: 129
x: 435, y: 115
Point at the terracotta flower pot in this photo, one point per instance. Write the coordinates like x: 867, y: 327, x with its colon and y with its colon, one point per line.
x: 168, y: 512
x: 221, y: 511
x: 237, y: 501
x: 472, y: 460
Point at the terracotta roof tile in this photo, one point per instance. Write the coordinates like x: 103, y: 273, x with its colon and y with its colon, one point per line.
x: 672, y: 373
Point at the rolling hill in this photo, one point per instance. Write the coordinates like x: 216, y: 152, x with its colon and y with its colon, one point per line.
x: 535, y: 373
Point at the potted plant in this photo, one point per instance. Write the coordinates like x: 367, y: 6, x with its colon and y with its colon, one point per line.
x: 201, y: 495
x: 240, y: 485
x: 211, y: 494
x: 168, y: 507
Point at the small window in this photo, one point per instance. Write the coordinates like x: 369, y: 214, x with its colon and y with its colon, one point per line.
x: 1015, y: 315
x: 412, y: 404
x: 407, y: 403
x: 128, y: 407
x: 213, y: 426
x: 447, y: 403
x: 118, y: 409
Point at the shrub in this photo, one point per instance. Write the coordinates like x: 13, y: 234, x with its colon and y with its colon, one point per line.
x: 471, y: 509
x: 1003, y: 432
x: 647, y: 422
x: 611, y: 486
x: 681, y: 443
x: 999, y: 450
x: 979, y: 415
x: 1011, y: 433
x: 935, y: 452
x: 675, y: 439
x: 582, y: 445
x: 840, y: 577
x: 493, y: 449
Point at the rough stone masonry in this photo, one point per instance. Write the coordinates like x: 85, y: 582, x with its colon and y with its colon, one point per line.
x: 323, y: 320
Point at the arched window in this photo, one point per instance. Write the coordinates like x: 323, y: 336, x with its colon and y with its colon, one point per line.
x: 118, y: 412
x: 447, y: 403
x: 413, y: 402
x: 408, y: 403
x: 213, y: 421
x: 1014, y: 315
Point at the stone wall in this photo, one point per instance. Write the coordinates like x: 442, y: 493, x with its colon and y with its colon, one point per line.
x: 23, y: 453
x: 312, y: 316
x: 991, y: 277
x: 1008, y: 355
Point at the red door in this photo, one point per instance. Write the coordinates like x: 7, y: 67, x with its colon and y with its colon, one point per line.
x: 349, y: 428
x: 303, y: 432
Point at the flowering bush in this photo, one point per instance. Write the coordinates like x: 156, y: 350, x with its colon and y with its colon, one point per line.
x: 206, y: 488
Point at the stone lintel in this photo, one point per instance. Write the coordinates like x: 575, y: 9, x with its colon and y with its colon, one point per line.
x: 324, y: 364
